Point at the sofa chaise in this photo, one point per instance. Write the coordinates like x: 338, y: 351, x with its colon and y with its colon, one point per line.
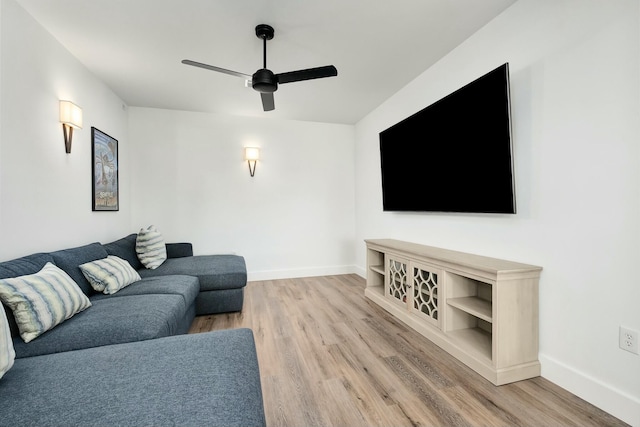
x: 222, y: 278
x: 126, y: 358
x: 208, y: 379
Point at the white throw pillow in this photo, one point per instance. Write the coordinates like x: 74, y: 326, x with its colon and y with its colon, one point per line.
x: 7, y: 353
x: 150, y: 247
x: 109, y: 275
x: 42, y: 300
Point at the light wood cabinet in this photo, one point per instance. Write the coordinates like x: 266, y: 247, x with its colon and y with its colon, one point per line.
x: 483, y: 311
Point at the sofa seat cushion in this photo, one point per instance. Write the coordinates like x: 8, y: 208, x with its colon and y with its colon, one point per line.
x: 185, y: 286
x: 201, y: 379
x: 214, y: 271
x: 111, y: 321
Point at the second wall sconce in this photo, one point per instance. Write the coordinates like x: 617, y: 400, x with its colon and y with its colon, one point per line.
x: 70, y: 117
x: 252, y: 155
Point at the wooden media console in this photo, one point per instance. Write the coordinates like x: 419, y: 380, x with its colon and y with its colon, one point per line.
x: 483, y: 311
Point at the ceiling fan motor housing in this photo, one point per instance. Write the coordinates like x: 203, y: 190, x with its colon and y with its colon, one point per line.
x: 264, y: 81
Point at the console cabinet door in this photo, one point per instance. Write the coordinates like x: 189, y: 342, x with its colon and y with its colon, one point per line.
x: 397, y: 284
x: 425, y: 298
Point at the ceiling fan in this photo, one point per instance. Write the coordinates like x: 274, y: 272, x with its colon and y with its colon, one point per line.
x: 264, y: 80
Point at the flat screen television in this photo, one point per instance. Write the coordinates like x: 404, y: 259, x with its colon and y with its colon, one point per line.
x: 455, y: 155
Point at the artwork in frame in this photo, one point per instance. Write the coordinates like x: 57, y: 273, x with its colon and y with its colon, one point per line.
x: 104, y: 152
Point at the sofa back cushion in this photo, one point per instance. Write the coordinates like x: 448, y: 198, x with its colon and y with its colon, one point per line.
x: 69, y: 260
x: 125, y: 248
x: 26, y: 265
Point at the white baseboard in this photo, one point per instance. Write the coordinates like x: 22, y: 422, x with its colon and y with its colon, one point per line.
x: 619, y: 404
x: 300, y: 272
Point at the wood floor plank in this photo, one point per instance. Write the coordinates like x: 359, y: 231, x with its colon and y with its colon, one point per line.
x: 347, y: 413
x: 373, y: 388
x: 330, y: 357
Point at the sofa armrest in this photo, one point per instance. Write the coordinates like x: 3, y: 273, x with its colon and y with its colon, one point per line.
x: 179, y: 250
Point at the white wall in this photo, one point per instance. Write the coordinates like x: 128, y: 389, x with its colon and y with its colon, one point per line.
x: 45, y: 194
x: 575, y: 69
x: 295, y: 217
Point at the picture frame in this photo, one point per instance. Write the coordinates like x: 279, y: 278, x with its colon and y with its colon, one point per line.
x: 104, y: 172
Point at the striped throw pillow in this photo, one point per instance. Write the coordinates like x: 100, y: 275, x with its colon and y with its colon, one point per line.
x: 110, y: 274
x: 42, y: 300
x: 7, y: 353
x: 150, y: 247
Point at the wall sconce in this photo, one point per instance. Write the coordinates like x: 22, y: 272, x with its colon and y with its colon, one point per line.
x: 252, y: 155
x: 70, y: 117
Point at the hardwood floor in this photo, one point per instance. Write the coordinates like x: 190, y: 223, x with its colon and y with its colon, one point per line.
x: 329, y: 357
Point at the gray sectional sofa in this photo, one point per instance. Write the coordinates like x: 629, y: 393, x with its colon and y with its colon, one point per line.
x: 126, y: 360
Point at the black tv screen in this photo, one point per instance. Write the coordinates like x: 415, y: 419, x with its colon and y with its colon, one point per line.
x: 455, y: 155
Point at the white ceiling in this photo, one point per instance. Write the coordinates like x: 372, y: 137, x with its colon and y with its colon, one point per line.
x: 378, y: 46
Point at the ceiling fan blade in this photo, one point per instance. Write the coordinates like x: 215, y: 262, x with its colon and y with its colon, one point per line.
x: 308, y: 74
x: 267, y: 101
x: 218, y: 69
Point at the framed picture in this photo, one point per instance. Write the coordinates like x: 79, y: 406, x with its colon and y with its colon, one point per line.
x: 104, y: 152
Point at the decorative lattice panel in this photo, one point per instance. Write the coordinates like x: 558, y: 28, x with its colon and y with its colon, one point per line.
x: 398, y: 281
x: 425, y: 293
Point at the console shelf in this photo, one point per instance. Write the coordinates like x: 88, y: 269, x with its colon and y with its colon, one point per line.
x: 475, y: 306
x: 378, y: 269
x: 483, y: 311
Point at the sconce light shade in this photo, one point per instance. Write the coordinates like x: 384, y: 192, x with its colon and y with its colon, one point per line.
x: 252, y: 155
x: 70, y: 117
x: 70, y: 114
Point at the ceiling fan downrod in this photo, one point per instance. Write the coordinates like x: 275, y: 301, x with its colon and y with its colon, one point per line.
x: 264, y: 32
x: 263, y: 80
